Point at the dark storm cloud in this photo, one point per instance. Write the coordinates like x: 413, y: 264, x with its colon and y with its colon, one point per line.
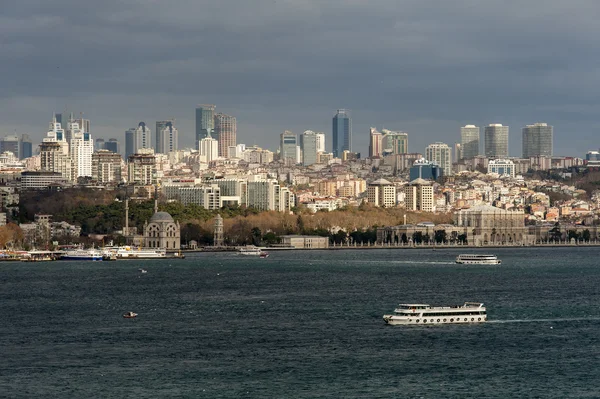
x: 426, y: 67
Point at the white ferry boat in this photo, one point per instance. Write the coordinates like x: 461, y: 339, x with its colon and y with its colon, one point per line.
x: 129, y: 252
x: 475, y: 259
x: 252, y: 251
x: 420, y: 314
x: 82, y: 254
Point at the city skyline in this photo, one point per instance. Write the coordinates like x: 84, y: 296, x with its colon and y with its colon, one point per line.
x: 440, y: 66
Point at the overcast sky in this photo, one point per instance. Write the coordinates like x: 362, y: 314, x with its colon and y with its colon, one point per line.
x: 424, y: 67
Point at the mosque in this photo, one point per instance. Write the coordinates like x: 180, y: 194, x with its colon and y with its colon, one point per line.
x: 161, y: 231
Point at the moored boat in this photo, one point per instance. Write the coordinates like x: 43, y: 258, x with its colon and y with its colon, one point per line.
x: 130, y: 252
x: 477, y: 259
x: 82, y: 254
x: 422, y: 314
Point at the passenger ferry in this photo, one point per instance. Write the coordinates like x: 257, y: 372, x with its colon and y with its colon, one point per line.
x: 420, y: 314
x: 474, y: 259
x: 129, y: 252
x: 252, y: 251
x: 83, y: 254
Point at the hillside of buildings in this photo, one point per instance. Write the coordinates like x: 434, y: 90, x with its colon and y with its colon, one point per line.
x: 102, y: 212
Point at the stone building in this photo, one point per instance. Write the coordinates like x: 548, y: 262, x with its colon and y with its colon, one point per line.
x: 486, y: 224
x: 161, y: 231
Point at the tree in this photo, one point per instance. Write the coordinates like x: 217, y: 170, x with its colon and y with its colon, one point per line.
x: 494, y: 231
x: 256, y: 235
x: 555, y: 232
x: 440, y: 236
x: 586, y: 235
x: 462, y: 238
x: 417, y: 237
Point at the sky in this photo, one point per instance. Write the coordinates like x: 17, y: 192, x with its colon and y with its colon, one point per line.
x: 425, y: 67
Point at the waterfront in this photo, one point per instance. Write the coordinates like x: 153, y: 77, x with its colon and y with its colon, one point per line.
x: 301, y: 324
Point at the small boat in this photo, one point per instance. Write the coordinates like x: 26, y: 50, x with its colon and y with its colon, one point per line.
x: 130, y: 315
x: 250, y: 250
x: 264, y: 254
x: 476, y: 259
x: 143, y: 271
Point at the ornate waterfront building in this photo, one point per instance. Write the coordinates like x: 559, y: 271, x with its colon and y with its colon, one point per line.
x: 486, y: 224
x: 161, y: 231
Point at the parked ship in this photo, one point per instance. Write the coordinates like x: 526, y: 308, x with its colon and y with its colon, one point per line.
x: 422, y: 314
x: 475, y: 259
x: 82, y: 254
x: 129, y: 252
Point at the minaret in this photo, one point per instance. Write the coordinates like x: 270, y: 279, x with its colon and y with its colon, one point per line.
x: 155, y: 199
x: 126, y: 228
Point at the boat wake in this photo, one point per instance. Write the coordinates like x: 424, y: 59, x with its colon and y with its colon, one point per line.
x: 544, y: 320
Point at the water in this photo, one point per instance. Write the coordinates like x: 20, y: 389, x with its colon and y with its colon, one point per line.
x: 301, y: 325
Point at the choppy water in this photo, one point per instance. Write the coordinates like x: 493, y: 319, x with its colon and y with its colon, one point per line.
x: 301, y: 325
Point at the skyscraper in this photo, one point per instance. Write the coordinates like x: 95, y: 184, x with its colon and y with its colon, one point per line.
x: 374, y: 143
x: 137, y: 138
x: 226, y: 132
x: 205, y: 122
x: 496, y: 141
x: 537, y: 140
x: 441, y: 154
x: 99, y: 144
x: 167, y: 137
x: 287, y: 147
x: 342, y: 133
x: 26, y: 147
x: 54, y: 151
x: 394, y: 142
x: 320, y: 142
x: 308, y: 142
x: 81, y: 149
x: 112, y: 145
x: 11, y: 143
x: 469, y: 141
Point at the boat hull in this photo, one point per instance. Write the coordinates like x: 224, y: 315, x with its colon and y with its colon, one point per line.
x: 428, y: 321
x: 92, y: 258
x: 479, y: 262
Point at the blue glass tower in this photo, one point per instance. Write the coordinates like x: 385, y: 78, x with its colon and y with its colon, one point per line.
x: 342, y: 133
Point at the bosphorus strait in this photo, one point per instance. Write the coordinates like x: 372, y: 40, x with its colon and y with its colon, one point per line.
x: 301, y: 324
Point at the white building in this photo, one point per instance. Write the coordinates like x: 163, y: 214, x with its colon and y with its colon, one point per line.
x: 209, y: 150
x: 208, y: 196
x: 320, y: 142
x: 502, y: 167
x: 167, y: 138
x: 81, y: 150
x: 441, y: 154
x: 381, y: 193
x: 419, y: 196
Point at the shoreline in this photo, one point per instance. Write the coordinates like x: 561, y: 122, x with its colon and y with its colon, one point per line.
x: 385, y: 246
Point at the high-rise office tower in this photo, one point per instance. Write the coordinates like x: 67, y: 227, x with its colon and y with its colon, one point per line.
x: 205, y: 122
x: 26, y: 147
x: 137, y: 138
x: 84, y: 124
x: 441, y: 154
x: 287, y: 147
x: 54, y: 151
x: 308, y: 143
x: 469, y: 141
x: 98, y: 144
x: 112, y: 145
x: 374, y: 143
x: 225, y: 132
x: 11, y: 143
x: 129, y: 142
x: 81, y: 149
x: 394, y: 142
x: 167, y: 137
x: 320, y: 142
x: 537, y: 140
x: 496, y: 141
x: 342, y: 133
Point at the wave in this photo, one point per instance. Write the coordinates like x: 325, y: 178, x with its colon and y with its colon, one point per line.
x: 545, y: 320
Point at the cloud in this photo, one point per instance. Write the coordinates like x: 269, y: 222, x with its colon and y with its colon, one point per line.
x: 424, y: 67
